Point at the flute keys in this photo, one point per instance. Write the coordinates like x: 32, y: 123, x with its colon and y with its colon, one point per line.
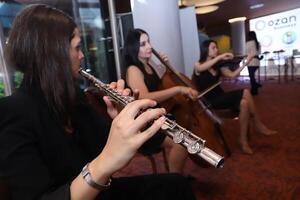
x: 194, y: 147
x: 178, y: 137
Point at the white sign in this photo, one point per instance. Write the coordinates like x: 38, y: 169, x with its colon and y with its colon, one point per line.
x: 278, y: 31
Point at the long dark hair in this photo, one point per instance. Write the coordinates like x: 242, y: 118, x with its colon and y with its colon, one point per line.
x: 252, y: 36
x: 38, y: 46
x: 204, y: 48
x: 132, y: 47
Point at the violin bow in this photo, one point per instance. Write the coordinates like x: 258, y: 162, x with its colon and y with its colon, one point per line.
x: 209, y: 89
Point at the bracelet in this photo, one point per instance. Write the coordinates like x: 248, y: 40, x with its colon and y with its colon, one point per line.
x: 89, y: 180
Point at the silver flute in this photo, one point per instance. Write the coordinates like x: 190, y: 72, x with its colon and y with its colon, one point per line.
x: 180, y: 135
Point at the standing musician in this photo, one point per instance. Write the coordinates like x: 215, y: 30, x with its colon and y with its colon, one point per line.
x: 53, y: 145
x: 253, y: 46
x: 142, y: 76
x: 240, y: 101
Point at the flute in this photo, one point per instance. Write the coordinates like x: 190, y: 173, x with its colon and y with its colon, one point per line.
x: 180, y: 135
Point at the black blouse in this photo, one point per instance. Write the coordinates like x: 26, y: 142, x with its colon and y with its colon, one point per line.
x: 152, y: 80
x: 217, y: 98
x: 153, y: 145
x: 38, y: 159
x: 204, y: 80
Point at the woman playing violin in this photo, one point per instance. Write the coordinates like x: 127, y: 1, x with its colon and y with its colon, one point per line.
x: 240, y: 101
x: 142, y: 76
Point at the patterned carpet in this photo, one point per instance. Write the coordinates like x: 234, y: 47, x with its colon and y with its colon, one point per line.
x: 272, y: 172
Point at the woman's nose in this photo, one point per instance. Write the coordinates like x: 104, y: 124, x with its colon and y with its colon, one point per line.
x: 81, y: 55
x: 149, y: 46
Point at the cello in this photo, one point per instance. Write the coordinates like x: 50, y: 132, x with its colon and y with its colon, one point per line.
x: 191, y: 114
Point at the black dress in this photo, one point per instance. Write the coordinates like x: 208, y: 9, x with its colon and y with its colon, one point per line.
x: 217, y: 98
x: 38, y: 159
x: 153, y: 145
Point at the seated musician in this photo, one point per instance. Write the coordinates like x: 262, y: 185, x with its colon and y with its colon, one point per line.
x: 240, y: 101
x: 142, y: 76
x: 53, y: 145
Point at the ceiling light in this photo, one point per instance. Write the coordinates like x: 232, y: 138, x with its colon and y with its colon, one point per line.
x: 257, y: 6
x: 206, y: 9
x: 237, y: 19
x: 33, y: 1
x: 187, y: 2
x: 208, y: 2
x: 199, y: 2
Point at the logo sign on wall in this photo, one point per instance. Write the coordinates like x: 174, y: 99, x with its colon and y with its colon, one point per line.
x: 278, y: 31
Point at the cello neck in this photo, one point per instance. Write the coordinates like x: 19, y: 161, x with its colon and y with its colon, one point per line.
x: 171, y: 69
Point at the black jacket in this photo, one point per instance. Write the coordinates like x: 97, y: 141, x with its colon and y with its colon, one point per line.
x: 38, y: 159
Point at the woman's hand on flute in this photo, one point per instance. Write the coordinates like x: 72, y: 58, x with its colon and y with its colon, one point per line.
x: 112, y: 108
x: 128, y: 133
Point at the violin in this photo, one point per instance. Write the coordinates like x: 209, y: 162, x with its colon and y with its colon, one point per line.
x: 191, y: 114
x: 232, y: 64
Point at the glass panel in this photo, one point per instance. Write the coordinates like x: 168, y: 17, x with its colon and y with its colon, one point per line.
x: 97, y: 46
x: 12, y: 79
x: 95, y: 40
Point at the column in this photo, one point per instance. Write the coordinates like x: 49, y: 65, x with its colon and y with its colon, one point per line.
x: 160, y: 19
x: 238, y: 35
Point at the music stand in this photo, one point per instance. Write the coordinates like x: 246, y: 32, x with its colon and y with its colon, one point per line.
x: 266, y: 62
x: 278, y: 65
x: 296, y: 54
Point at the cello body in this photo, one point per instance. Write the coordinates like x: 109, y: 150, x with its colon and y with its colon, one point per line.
x: 191, y: 114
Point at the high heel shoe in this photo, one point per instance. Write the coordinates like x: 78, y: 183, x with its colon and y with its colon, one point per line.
x: 266, y: 131
x: 270, y: 132
x: 246, y: 148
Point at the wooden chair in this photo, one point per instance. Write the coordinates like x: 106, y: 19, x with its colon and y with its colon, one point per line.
x: 95, y: 100
x: 152, y: 160
x: 219, y: 131
x: 217, y: 116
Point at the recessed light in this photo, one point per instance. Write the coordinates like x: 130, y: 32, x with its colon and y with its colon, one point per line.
x: 207, y: 2
x: 198, y: 3
x: 206, y: 9
x: 237, y: 19
x: 257, y: 6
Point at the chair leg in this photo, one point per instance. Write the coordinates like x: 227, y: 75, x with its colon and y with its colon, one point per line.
x: 278, y: 73
x: 153, y: 163
x: 258, y: 74
x: 220, y: 134
x: 165, y: 160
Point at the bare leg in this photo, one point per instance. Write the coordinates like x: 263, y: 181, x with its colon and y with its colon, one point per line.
x: 176, y: 157
x: 244, y: 117
x: 258, y: 123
